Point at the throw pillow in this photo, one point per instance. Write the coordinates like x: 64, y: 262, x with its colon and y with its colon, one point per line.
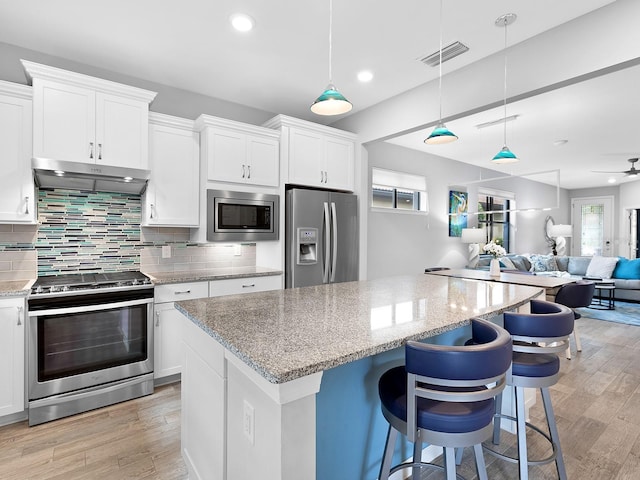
x: 627, y: 269
x: 601, y: 267
x: 521, y: 263
x: 543, y: 263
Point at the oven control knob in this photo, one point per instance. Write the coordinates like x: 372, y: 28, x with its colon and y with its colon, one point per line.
x: 39, y: 289
x: 54, y: 288
x: 65, y: 288
x: 135, y: 281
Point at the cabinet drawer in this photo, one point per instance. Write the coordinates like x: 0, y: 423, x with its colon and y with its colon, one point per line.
x: 175, y: 292
x: 244, y: 285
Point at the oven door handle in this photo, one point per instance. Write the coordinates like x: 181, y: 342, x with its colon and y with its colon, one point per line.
x: 90, y: 308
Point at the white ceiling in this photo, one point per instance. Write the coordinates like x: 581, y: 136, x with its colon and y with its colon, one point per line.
x: 282, y: 65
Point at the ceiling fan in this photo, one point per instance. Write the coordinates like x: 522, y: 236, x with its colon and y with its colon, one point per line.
x: 632, y: 172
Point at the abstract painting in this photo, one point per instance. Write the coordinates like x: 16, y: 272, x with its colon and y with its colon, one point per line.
x: 457, y: 212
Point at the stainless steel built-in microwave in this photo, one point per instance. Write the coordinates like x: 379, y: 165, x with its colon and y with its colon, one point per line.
x: 241, y: 216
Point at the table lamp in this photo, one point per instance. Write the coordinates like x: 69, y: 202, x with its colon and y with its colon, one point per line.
x: 559, y: 232
x: 474, y: 237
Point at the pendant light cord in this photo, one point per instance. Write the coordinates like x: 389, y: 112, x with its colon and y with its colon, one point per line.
x: 440, y: 68
x: 330, y: 39
x: 505, y: 80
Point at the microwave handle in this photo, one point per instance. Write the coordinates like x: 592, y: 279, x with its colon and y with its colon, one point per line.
x: 327, y: 244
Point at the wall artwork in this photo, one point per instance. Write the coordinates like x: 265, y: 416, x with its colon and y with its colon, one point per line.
x: 457, y: 212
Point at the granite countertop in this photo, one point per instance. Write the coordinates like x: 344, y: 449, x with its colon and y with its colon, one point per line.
x: 288, y: 334
x: 15, y: 288
x: 161, y: 278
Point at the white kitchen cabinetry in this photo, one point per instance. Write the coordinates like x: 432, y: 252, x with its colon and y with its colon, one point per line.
x: 17, y: 191
x: 316, y: 155
x: 168, y: 324
x: 86, y: 119
x: 239, y: 153
x: 232, y: 286
x: 12, y: 371
x: 172, y: 195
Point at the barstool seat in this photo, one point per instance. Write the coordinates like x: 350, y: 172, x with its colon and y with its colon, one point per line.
x: 445, y: 395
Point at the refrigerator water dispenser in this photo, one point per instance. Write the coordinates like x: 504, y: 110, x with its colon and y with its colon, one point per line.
x: 307, y: 246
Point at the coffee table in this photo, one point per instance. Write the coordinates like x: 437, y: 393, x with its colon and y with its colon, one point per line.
x: 605, y: 298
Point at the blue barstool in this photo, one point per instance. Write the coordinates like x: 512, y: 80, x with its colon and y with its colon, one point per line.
x: 575, y: 295
x: 537, y: 338
x: 445, y: 395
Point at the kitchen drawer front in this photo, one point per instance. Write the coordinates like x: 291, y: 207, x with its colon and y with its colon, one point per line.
x: 175, y: 292
x: 232, y: 286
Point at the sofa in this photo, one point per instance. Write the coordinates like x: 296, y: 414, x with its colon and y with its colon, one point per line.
x: 624, y: 272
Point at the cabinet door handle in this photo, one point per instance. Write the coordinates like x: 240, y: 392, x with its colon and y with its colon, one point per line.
x: 99, y: 151
x: 19, y: 315
x: 242, y: 171
x: 321, y: 176
x: 325, y: 176
x: 249, y: 170
x: 90, y: 149
x: 157, y: 319
x: 26, y: 205
x: 248, y: 285
x: 151, y: 207
x: 183, y: 292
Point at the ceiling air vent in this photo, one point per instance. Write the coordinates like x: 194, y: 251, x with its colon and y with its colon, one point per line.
x: 448, y: 52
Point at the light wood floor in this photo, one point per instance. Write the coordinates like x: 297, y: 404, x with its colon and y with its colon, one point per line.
x: 597, y: 405
x: 138, y: 439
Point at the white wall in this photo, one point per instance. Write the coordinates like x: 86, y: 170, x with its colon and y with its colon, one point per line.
x: 406, y: 243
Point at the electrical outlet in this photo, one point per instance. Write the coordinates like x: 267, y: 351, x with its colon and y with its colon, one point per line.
x: 237, y: 249
x: 166, y: 251
x: 249, y: 422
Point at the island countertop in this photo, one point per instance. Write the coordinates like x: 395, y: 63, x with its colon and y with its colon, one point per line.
x: 287, y: 334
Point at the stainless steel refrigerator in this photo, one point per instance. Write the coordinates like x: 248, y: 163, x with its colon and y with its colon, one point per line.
x: 321, y: 237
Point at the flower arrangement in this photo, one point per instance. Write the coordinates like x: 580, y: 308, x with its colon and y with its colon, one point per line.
x: 494, y: 249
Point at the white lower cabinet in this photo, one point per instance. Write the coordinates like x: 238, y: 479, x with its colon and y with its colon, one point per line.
x: 168, y: 324
x: 12, y: 371
x: 232, y: 286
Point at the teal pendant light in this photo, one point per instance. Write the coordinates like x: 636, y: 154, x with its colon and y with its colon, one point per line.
x: 505, y: 155
x: 331, y: 101
x: 441, y: 134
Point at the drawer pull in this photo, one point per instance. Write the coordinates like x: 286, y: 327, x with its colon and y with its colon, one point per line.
x: 248, y: 285
x: 183, y: 292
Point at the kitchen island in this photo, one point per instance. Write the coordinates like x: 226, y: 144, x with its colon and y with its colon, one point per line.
x: 269, y: 377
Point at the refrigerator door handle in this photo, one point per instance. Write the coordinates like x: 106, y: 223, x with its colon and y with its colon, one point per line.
x: 327, y: 244
x: 334, y: 243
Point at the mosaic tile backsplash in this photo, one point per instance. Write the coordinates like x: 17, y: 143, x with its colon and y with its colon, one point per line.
x: 100, y: 232
x: 87, y: 232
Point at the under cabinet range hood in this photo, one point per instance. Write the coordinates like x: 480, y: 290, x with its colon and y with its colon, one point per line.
x: 87, y: 176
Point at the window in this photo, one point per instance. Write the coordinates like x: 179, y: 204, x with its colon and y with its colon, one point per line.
x: 398, y: 191
x: 494, y: 216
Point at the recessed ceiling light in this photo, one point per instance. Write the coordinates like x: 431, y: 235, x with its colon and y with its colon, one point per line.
x: 242, y: 22
x: 365, y: 76
x: 611, y: 180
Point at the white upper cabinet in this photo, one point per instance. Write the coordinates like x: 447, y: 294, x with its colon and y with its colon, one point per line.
x: 172, y: 195
x: 316, y: 155
x: 235, y: 152
x: 17, y: 191
x: 85, y: 119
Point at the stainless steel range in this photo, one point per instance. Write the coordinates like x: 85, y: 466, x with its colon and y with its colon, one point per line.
x: 90, y: 342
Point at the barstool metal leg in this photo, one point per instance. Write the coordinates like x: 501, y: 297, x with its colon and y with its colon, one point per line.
x: 481, y: 467
x: 417, y: 457
x: 522, y: 434
x: 496, y: 420
x: 450, y: 462
x: 459, y: 452
x: 389, y: 446
x: 577, y: 338
x: 553, y: 431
